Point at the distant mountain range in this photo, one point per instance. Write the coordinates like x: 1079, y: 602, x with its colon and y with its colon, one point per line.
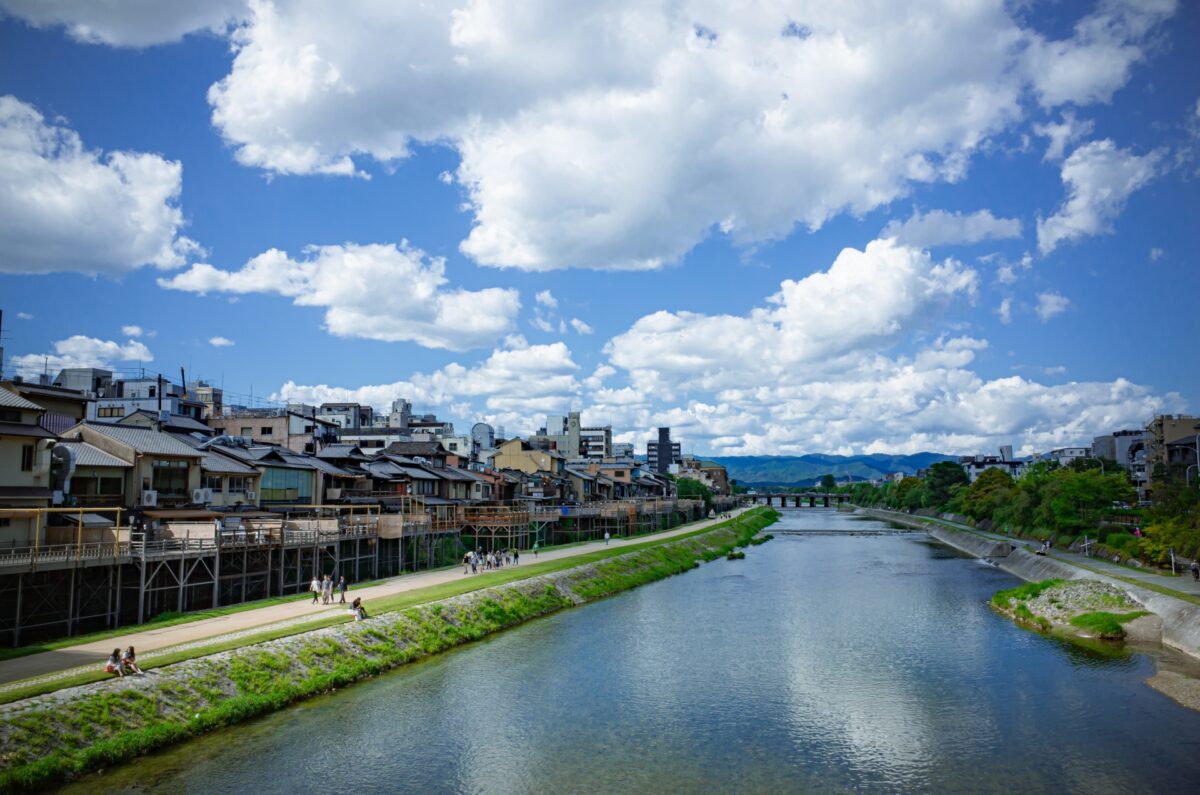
x: 807, y: 470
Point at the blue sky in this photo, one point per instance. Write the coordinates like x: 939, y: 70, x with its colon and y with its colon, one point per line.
x: 940, y: 228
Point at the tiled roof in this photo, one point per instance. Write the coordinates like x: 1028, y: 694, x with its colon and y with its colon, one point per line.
x: 11, y: 400
x: 88, y: 456
x: 224, y: 465
x: 20, y: 429
x: 144, y: 440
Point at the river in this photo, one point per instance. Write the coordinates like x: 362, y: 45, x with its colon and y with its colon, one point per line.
x: 830, y: 663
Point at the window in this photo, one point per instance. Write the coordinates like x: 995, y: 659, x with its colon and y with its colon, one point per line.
x: 10, y: 415
x: 152, y: 392
x: 170, y: 477
x: 246, y: 432
x: 111, y: 411
x: 239, y: 485
x: 27, y: 458
x: 212, y: 482
x: 265, y: 430
x: 5, y: 522
x: 286, y: 485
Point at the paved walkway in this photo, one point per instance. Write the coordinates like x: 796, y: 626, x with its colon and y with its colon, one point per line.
x: 1182, y: 584
x: 302, y: 610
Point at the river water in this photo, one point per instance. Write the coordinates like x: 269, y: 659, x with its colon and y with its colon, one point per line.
x: 831, y: 663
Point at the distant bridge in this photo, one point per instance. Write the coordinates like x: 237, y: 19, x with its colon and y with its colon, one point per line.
x: 812, y: 498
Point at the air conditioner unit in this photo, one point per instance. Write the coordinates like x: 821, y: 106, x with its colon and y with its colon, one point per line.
x: 149, y: 499
x: 333, y: 494
x: 202, y: 496
x: 251, y: 496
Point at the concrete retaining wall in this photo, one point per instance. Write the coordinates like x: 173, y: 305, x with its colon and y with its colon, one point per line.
x: 1180, y: 619
x: 972, y: 544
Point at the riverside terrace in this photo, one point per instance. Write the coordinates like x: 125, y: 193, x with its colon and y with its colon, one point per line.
x: 104, y: 567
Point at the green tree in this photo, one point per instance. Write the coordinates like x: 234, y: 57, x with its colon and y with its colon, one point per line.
x: 828, y: 482
x: 689, y: 489
x: 944, y: 478
x: 990, y: 490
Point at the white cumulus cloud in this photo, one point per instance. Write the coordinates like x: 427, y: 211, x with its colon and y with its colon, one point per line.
x: 1099, y: 178
x: 220, y: 342
x: 1096, y: 60
x: 81, y: 351
x: 939, y: 227
x: 1051, y: 304
x: 66, y: 208
x: 619, y: 137
x: 547, y: 299
x: 511, y: 387
x: 132, y: 331
x: 381, y: 292
x: 865, y: 298
x: 128, y: 23
x: 581, y: 327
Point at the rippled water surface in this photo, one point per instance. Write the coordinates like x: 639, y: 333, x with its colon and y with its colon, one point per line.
x: 818, y: 663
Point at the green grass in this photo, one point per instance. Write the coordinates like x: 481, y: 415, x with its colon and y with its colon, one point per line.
x: 1106, y: 625
x: 161, y: 621
x: 394, y: 603
x: 1023, y: 593
x: 104, y: 727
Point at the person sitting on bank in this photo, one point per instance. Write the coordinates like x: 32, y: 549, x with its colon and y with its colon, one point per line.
x: 356, y: 607
x: 113, y: 666
x: 129, y: 662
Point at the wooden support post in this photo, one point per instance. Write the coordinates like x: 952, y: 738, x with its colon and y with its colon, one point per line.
x: 17, y: 619
x: 108, y: 614
x: 117, y: 611
x: 71, y: 605
x: 216, y: 599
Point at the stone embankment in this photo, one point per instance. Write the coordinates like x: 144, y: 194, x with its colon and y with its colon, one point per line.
x: 1087, y: 609
x: 1180, y: 618
x: 48, y: 738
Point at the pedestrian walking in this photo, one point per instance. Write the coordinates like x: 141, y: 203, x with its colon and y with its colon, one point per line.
x: 516, y: 556
x: 606, y: 537
x: 466, y: 562
x: 342, y: 590
x: 1196, y: 571
x: 315, y: 587
x: 326, y: 590
x: 535, y: 548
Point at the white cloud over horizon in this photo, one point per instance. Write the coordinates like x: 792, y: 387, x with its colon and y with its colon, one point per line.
x: 809, y: 372
x: 80, y: 351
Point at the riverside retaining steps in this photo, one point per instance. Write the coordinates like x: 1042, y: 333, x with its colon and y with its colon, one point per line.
x: 1180, y: 619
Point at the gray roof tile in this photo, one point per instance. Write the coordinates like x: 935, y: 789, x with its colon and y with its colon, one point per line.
x: 11, y: 400
x: 144, y: 440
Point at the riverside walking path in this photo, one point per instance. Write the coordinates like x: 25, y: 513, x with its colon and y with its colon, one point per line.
x: 73, y: 659
x: 1183, y: 584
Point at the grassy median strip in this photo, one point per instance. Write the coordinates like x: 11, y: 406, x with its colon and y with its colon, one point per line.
x: 380, y: 606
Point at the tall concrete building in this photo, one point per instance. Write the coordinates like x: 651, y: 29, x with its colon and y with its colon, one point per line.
x: 663, y: 452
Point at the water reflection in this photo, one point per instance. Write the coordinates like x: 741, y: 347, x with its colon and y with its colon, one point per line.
x: 817, y: 663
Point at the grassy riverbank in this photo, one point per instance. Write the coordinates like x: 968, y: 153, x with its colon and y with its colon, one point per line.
x: 1074, y: 609
x: 49, y: 738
